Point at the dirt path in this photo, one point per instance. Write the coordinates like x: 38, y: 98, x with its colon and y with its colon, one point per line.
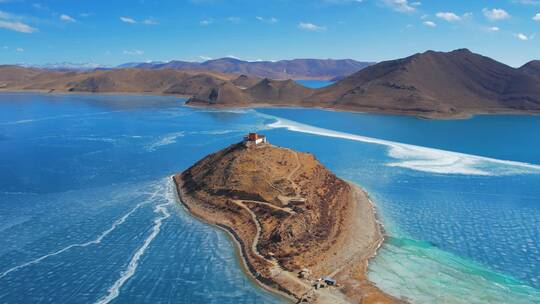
x: 257, y: 225
x: 293, y: 172
x: 284, y: 209
x: 281, y: 275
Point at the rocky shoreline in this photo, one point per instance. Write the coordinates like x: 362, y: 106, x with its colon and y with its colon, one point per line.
x: 275, y: 256
x: 248, y: 268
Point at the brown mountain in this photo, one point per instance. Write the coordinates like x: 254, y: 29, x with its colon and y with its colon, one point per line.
x: 11, y: 74
x: 288, y: 213
x: 283, y: 69
x: 430, y: 84
x: 278, y: 92
x: 532, y: 68
x: 436, y: 83
x: 264, y: 92
x: 108, y: 81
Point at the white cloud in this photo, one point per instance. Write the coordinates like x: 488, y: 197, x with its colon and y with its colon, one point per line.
x: 536, y: 17
x: 134, y: 52
x: 128, y: 20
x: 13, y: 22
x: 270, y: 20
x: 41, y: 7
x: 495, y: 14
x: 494, y: 29
x: 67, y: 18
x: 17, y: 26
x: 18, y: 50
x: 448, y: 16
x: 205, y: 58
x: 206, y: 22
x: 430, y: 23
x: 150, y: 21
x: 402, y: 6
x: 524, y: 37
x: 307, y: 26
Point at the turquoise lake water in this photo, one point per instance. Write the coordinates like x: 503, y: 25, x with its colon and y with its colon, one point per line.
x: 314, y: 83
x: 88, y: 213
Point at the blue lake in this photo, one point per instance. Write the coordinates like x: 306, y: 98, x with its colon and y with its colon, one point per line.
x: 314, y: 84
x: 88, y: 213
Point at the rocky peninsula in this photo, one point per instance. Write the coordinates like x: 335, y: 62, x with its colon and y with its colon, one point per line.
x: 301, y: 231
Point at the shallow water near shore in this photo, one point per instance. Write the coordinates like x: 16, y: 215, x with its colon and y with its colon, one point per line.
x: 88, y: 213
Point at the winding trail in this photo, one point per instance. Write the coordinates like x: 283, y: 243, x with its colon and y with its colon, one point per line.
x: 254, y: 216
x: 285, y: 198
x: 257, y: 225
x: 284, y: 209
x: 293, y: 172
x: 280, y: 274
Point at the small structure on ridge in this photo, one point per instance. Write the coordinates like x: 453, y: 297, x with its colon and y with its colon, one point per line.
x: 254, y: 139
x: 329, y: 281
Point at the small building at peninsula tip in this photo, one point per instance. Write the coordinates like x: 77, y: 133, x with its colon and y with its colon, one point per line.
x: 254, y: 139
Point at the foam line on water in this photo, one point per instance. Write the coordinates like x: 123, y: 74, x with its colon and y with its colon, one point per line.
x: 164, y: 141
x: 232, y: 111
x: 95, y: 241
x: 421, y: 158
x: 114, y: 290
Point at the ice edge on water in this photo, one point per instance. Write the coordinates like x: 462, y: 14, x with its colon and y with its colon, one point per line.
x: 95, y: 241
x: 114, y: 290
x: 397, y: 270
x: 420, y: 158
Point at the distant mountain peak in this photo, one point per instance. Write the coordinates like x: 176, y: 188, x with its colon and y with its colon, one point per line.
x: 227, y: 59
x: 282, y: 69
x: 462, y: 51
x: 531, y: 68
x: 64, y: 66
x: 438, y: 82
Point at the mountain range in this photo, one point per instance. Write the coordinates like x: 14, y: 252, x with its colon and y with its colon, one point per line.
x: 282, y: 69
x: 430, y: 84
x: 317, y: 69
x: 66, y: 66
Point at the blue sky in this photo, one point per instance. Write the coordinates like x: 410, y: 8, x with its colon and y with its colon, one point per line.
x: 118, y: 31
